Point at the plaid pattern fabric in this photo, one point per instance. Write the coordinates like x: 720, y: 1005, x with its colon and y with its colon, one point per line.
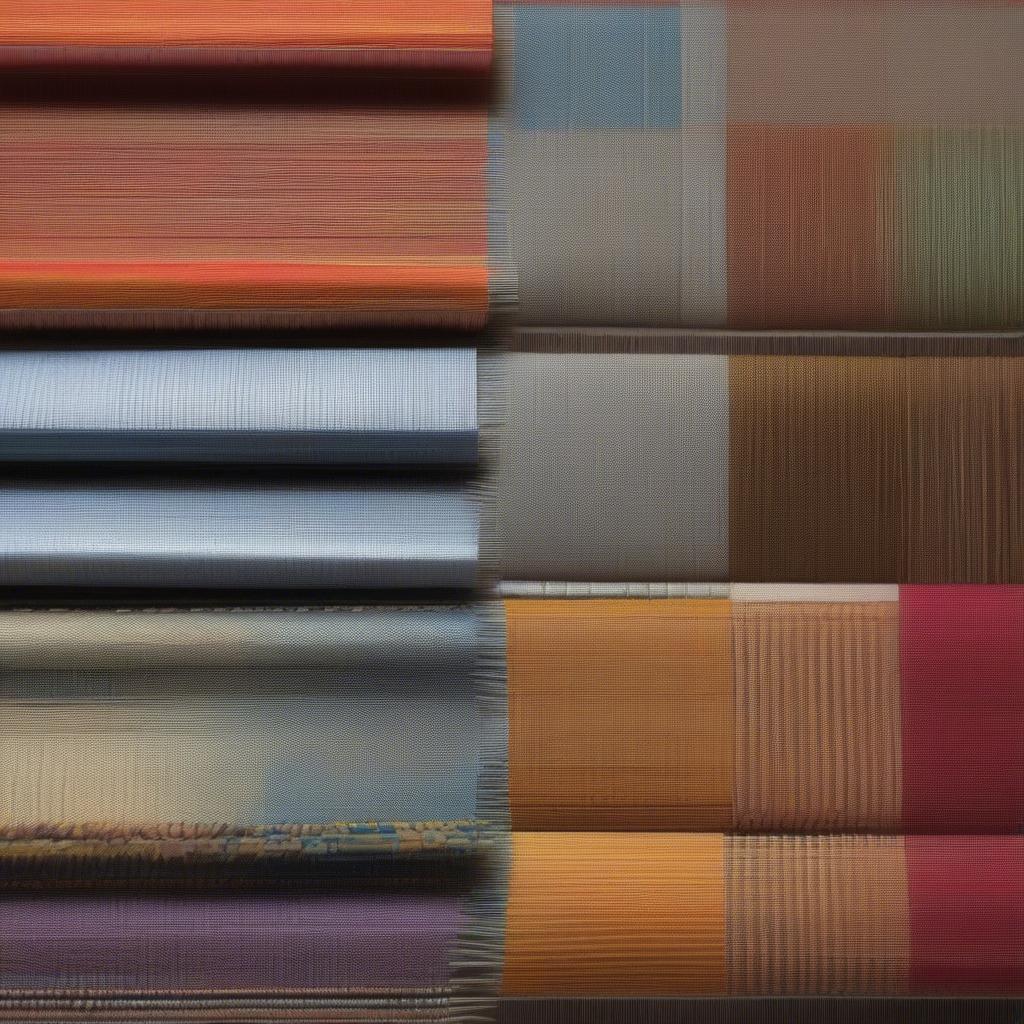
x: 785, y: 165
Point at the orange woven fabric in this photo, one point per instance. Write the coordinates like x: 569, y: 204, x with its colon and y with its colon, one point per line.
x: 615, y: 914
x: 416, y: 32
x: 620, y: 714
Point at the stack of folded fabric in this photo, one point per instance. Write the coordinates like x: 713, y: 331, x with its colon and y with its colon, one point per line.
x: 252, y: 760
x: 511, y: 514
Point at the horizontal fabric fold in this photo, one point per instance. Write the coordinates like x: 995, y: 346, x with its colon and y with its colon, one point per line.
x: 236, y: 213
x: 454, y: 35
x: 180, y: 733
x: 256, y: 534
x: 346, y: 958
x: 323, y: 406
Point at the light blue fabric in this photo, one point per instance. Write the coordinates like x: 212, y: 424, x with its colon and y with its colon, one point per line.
x: 597, y: 67
x: 140, y: 533
x: 385, y: 406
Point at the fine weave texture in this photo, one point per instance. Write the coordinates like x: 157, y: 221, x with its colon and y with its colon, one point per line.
x: 603, y: 914
x: 786, y: 709
x: 453, y: 34
x: 293, y: 212
x: 258, y: 534
x: 799, y: 165
x: 621, y: 465
x: 381, y: 406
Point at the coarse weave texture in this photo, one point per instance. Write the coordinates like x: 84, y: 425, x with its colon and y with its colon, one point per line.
x: 628, y: 457
x: 317, y: 957
x: 785, y: 709
x: 634, y: 914
x: 452, y: 34
x: 783, y: 165
x: 338, y: 211
x: 332, y: 406
x: 254, y: 533
x: 168, y: 725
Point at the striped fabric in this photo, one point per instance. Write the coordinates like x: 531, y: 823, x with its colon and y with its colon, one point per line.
x: 628, y: 456
x: 783, y: 165
x: 635, y: 914
x: 261, y: 205
x: 785, y: 709
x: 453, y: 34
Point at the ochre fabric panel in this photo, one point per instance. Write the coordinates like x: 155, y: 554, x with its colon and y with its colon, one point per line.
x: 964, y: 517
x: 817, y: 716
x: 620, y: 714
x: 418, y: 33
x: 817, y: 916
x: 615, y: 914
x: 816, y: 457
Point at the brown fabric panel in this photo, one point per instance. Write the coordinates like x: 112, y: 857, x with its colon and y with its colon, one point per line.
x: 615, y: 914
x: 815, y: 480
x: 817, y: 916
x: 817, y: 716
x: 964, y: 520
x: 620, y: 714
x: 766, y: 343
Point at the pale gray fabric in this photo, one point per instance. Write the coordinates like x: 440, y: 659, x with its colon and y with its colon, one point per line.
x: 617, y: 226
x: 615, y: 467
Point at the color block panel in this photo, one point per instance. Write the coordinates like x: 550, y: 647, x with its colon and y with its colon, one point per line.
x: 793, y: 62
x: 816, y: 468
x: 817, y: 716
x: 964, y: 517
x: 619, y: 227
x: 615, y: 914
x: 614, y: 467
x: 804, y: 226
x: 817, y: 916
x: 962, y: 652
x: 958, y: 224
x: 597, y: 67
x: 966, y: 914
x: 620, y: 714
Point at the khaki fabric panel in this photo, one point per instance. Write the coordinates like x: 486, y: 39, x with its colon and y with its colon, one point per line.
x: 618, y: 227
x: 620, y: 714
x: 615, y: 914
x: 954, y: 62
x: 817, y: 716
x: 803, y: 62
x: 965, y: 517
x: 614, y: 467
x: 817, y: 916
x: 816, y: 462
